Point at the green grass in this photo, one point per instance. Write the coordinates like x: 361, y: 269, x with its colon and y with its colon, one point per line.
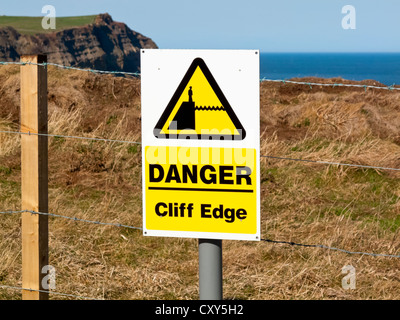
x: 33, y: 25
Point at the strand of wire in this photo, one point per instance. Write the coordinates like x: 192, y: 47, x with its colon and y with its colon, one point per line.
x: 73, y: 219
x: 43, y: 64
x: 136, y: 74
x: 331, y: 163
x: 262, y: 156
x: 49, y: 292
x: 265, y: 240
x: 331, y: 248
x: 70, y: 137
x: 311, y: 84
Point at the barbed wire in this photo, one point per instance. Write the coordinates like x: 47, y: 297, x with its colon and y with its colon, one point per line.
x: 137, y: 74
x: 73, y: 219
x: 310, y: 84
x: 331, y: 163
x: 43, y: 64
x: 331, y: 248
x: 262, y: 156
x: 70, y: 137
x: 12, y: 212
x: 49, y: 292
x: 265, y: 240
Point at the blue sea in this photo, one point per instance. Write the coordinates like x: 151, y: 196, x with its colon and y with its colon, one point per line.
x: 382, y: 67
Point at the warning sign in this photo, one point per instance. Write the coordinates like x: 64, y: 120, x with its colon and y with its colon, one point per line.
x: 200, y: 143
x: 199, y: 107
x: 214, y: 191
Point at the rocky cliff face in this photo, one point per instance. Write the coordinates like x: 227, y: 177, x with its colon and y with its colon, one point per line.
x: 105, y: 45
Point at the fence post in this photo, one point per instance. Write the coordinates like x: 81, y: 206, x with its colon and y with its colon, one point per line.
x: 210, y: 269
x: 34, y: 175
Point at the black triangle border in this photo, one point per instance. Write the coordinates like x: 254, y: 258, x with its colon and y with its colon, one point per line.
x: 199, y: 62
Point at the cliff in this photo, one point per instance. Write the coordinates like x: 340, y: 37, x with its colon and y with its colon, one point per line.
x: 104, y: 44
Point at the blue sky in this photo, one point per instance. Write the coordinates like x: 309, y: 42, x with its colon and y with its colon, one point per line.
x: 271, y: 26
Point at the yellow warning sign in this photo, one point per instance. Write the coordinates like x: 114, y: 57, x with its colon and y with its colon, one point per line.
x: 199, y: 109
x: 201, y: 189
x: 201, y: 144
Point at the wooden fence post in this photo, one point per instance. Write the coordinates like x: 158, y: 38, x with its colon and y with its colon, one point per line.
x: 34, y: 175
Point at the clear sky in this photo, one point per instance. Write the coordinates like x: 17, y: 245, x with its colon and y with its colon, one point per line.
x: 271, y: 26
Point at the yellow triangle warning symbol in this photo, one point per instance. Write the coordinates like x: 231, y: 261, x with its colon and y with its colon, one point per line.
x: 199, y: 109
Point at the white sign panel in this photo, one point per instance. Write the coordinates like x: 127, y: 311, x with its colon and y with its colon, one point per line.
x: 201, y: 143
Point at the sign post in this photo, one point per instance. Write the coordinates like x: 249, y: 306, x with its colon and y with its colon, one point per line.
x: 201, y: 150
x: 210, y: 269
x: 34, y: 175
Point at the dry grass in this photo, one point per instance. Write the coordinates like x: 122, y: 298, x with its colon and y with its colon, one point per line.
x: 350, y: 208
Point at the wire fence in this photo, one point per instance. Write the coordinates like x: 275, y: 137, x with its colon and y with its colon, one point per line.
x: 265, y: 240
x: 69, y: 137
x: 73, y: 218
x: 44, y: 64
x: 262, y: 156
x: 331, y: 163
x: 119, y: 225
x: 333, y: 85
x: 136, y: 74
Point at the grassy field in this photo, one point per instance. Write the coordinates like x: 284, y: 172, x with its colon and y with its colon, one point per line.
x: 33, y: 25
x: 344, y: 207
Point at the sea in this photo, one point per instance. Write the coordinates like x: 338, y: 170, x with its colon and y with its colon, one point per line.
x: 381, y: 67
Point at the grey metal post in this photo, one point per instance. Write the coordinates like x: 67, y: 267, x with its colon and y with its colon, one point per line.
x: 210, y: 269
